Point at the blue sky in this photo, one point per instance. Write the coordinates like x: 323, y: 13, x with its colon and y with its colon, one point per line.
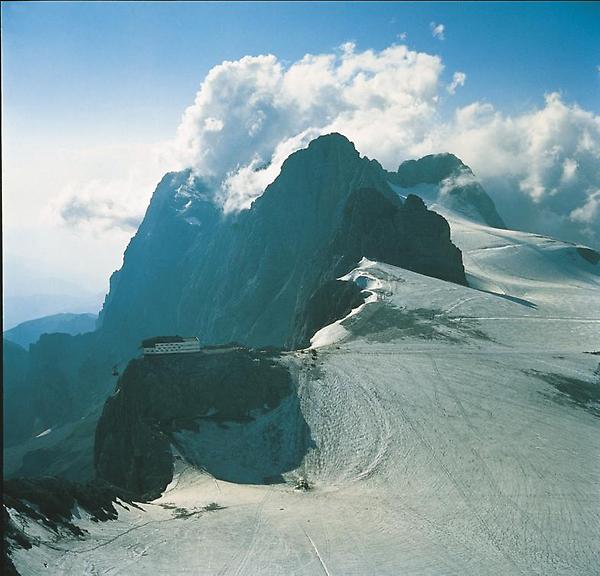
x: 92, y: 90
x: 143, y: 62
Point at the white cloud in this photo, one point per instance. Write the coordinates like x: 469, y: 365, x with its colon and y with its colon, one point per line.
x: 542, y: 167
x: 249, y: 115
x: 115, y: 197
x: 348, y: 47
x: 569, y: 169
x: 458, y: 79
x: 437, y: 30
x: 93, y: 206
x: 213, y: 125
x: 589, y: 212
x: 463, y: 178
x: 244, y: 184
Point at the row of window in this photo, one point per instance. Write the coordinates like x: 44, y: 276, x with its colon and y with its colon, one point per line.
x: 173, y: 347
x: 176, y: 345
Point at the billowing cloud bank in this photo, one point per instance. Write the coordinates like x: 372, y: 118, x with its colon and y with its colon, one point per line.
x: 542, y: 167
x: 249, y: 115
x: 108, y: 188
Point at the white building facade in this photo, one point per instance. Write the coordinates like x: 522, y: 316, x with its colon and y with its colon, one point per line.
x: 175, y: 347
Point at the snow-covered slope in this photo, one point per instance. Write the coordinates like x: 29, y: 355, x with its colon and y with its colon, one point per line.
x: 456, y: 431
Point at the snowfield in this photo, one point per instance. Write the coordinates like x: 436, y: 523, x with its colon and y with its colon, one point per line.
x: 450, y: 438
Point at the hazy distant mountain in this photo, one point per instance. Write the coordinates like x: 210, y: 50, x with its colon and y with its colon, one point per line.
x: 28, y: 332
x: 60, y: 379
x: 22, y: 307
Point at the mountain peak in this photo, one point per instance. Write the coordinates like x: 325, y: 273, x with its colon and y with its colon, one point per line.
x: 430, y: 169
x: 457, y: 186
x: 333, y: 141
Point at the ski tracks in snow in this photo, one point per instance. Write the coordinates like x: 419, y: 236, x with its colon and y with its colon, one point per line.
x: 317, y: 553
x: 496, y: 492
x: 247, y: 552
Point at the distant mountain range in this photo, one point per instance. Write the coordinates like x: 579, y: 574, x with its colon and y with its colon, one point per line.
x: 22, y: 306
x: 29, y: 332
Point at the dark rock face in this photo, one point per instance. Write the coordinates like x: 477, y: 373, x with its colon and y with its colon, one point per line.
x: 407, y: 235
x: 431, y: 169
x: 54, y: 499
x: 588, y: 254
x: 250, y: 278
x: 60, y: 379
x: 145, y: 294
x: 66, y: 453
x: 462, y: 192
x: 259, y: 278
x: 333, y: 300
x: 158, y: 397
x: 380, y: 227
x: 15, y: 400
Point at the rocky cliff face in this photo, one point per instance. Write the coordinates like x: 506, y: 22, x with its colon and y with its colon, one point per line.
x: 404, y: 234
x: 59, y: 380
x: 332, y: 301
x: 145, y: 294
x: 431, y: 169
x: 379, y: 227
x: 249, y: 277
x: 180, y: 400
x: 14, y: 368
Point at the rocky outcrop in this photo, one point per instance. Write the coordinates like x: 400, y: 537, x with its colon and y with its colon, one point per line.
x: 407, y: 235
x: 52, y: 502
x: 588, y: 254
x: 59, y: 380
x: 380, y: 227
x: 431, y: 169
x: 17, y: 423
x: 332, y: 301
x: 160, y: 397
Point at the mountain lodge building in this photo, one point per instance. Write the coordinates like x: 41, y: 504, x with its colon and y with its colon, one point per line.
x: 170, y: 345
